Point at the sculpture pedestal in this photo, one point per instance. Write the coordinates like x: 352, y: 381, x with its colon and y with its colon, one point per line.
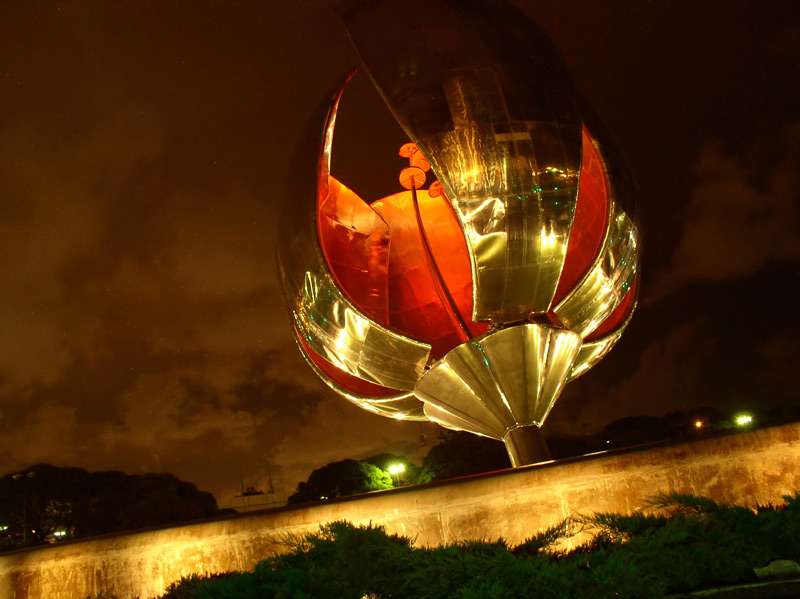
x: 525, y: 445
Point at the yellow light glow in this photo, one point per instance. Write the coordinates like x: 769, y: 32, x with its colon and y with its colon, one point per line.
x: 698, y: 424
x: 744, y: 419
x: 492, y: 206
x: 549, y: 240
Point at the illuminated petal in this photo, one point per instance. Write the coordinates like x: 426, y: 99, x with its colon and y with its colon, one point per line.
x: 327, y: 321
x: 499, y: 382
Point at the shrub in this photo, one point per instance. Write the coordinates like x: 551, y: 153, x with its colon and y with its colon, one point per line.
x: 681, y: 543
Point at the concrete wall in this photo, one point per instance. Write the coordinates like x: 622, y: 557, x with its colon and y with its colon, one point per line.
x: 755, y: 467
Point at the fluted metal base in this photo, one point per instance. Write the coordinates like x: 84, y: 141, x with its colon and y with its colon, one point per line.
x: 526, y: 445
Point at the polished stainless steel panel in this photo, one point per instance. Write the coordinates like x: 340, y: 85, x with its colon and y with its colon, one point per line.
x: 609, y: 280
x: 403, y: 406
x: 513, y: 186
x: 337, y: 331
x: 455, y: 422
x: 592, y: 352
x: 526, y: 445
x: 498, y: 382
x: 490, y: 104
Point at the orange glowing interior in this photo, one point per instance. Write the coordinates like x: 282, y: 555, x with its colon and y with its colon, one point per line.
x: 402, y: 262
x: 355, y: 242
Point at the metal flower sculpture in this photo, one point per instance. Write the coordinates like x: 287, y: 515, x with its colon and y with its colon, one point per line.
x: 472, y: 302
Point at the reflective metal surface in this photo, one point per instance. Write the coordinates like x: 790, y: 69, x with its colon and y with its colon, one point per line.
x: 515, y: 202
x: 515, y: 271
x: 504, y: 380
x: 608, y: 281
x: 492, y: 109
x: 592, y: 352
x: 526, y: 445
x: 327, y: 321
x: 338, y: 332
x: 401, y: 407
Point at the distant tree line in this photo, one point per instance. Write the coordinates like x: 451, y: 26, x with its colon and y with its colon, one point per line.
x: 459, y: 454
x: 45, y: 504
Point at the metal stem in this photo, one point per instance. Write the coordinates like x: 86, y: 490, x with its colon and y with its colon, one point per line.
x: 526, y: 445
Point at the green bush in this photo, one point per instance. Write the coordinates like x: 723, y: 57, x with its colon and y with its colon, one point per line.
x: 682, y: 543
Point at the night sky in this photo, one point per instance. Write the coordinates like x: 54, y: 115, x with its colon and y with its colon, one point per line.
x: 144, y: 148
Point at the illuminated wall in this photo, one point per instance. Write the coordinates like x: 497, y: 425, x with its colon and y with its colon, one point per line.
x: 759, y: 466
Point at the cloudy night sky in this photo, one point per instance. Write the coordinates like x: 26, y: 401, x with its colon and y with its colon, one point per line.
x: 144, y: 148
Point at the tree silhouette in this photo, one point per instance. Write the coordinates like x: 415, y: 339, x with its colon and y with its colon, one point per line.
x: 339, y: 479
x: 46, y: 503
x: 462, y: 454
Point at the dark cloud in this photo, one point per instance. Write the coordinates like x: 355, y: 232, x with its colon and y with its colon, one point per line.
x: 669, y: 372
x: 779, y: 363
x: 744, y: 213
x: 145, y: 150
x: 259, y: 390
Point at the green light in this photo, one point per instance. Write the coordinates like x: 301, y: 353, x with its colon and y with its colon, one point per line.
x: 744, y: 420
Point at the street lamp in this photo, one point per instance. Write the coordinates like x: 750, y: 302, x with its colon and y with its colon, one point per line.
x: 395, y: 471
